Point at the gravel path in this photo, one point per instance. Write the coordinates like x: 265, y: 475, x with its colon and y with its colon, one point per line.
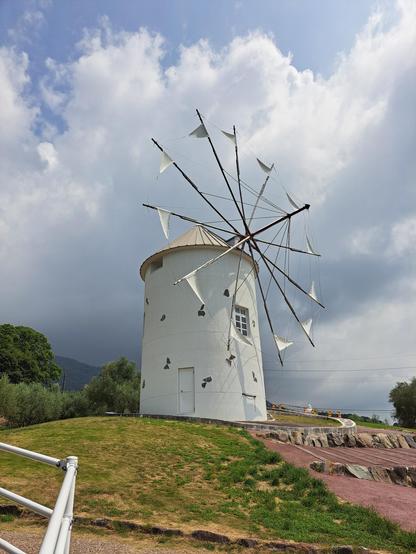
x: 29, y: 541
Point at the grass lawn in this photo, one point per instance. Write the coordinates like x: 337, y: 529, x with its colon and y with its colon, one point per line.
x: 371, y: 425
x: 190, y: 475
x: 305, y: 420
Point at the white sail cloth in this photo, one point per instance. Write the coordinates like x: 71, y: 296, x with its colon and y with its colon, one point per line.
x: 312, y: 292
x: 264, y: 167
x: 199, y: 132
x: 230, y: 136
x: 165, y: 162
x: 307, y: 326
x: 282, y: 343
x: 164, y: 216
x: 192, y: 281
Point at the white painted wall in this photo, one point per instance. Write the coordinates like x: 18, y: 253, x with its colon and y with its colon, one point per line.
x: 191, y: 341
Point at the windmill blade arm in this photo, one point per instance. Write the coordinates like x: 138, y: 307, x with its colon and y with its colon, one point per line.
x: 237, y: 165
x: 291, y: 280
x: 288, y: 248
x: 258, y: 199
x: 289, y: 305
x: 213, y: 260
x: 287, y: 216
x: 192, y: 220
x: 230, y: 190
x: 266, y: 309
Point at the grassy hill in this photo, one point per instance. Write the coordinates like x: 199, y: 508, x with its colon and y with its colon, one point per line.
x: 190, y: 475
x: 77, y: 374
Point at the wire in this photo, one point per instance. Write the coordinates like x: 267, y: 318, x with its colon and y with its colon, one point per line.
x: 342, y: 370
x: 352, y: 359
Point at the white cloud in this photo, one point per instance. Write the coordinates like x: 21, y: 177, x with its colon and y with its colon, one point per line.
x: 403, y: 237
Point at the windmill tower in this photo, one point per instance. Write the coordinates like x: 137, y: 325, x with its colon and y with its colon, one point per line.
x: 190, y: 366
x: 201, y: 353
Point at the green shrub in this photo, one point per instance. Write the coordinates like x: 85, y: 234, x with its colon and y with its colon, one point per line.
x: 32, y: 403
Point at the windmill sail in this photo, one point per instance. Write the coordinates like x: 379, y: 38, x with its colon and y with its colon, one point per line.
x: 307, y: 326
x: 230, y: 136
x: 282, y: 343
x: 312, y: 292
x: 264, y: 167
x: 165, y: 162
x: 193, y: 283
x: 309, y: 247
x: 199, y: 132
x: 164, y: 217
x: 292, y: 202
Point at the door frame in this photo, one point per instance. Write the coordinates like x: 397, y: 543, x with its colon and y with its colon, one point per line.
x: 179, y: 389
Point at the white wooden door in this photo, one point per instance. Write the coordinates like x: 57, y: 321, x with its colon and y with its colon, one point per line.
x: 186, y: 383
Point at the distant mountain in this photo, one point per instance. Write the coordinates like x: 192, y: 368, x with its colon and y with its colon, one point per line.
x: 77, y: 374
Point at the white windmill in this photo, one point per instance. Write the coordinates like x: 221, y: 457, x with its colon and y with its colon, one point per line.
x: 201, y: 350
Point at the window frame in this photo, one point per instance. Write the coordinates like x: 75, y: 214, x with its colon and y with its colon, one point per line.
x: 242, y: 320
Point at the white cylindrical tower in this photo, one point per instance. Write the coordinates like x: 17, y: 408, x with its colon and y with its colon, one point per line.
x: 187, y: 369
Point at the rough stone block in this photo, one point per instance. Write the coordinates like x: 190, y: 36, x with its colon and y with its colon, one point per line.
x: 344, y: 549
x: 318, y: 465
x: 335, y: 440
x: 380, y: 474
x: 364, y: 440
x: 402, y: 441
x: 394, y: 440
x: 361, y: 472
x: 297, y: 438
x: 384, y: 440
x: 411, y: 474
x: 283, y: 436
x: 410, y: 441
x: 324, y: 440
x: 398, y: 475
x: 210, y: 536
x: 350, y: 441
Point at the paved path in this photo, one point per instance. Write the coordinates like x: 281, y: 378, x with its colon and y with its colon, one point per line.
x: 394, y: 502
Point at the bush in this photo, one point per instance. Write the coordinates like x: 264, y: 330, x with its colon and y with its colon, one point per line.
x: 115, y: 389
x: 32, y: 403
x: 27, y: 404
x: 75, y: 404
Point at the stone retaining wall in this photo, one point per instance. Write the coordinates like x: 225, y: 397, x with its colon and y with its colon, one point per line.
x: 398, y: 475
x: 340, y: 437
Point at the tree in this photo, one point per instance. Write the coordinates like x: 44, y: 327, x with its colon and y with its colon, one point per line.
x: 403, y: 397
x: 26, y: 356
x: 116, y: 388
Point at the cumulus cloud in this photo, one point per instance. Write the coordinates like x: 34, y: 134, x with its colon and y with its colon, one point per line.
x: 73, y: 233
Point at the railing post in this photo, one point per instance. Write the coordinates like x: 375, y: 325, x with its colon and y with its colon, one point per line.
x: 49, y: 542
x: 64, y: 538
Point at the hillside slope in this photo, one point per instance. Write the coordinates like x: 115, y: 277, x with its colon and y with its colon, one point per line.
x: 182, y: 474
x: 77, y: 374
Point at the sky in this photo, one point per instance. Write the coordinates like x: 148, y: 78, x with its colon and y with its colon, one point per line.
x: 324, y: 89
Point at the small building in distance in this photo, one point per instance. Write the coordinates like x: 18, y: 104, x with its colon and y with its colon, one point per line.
x: 189, y: 366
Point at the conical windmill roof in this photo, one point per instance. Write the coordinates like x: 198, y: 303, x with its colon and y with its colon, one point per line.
x: 197, y: 236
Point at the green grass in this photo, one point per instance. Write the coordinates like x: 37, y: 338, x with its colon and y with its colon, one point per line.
x: 373, y: 425
x: 307, y: 421
x: 190, y: 475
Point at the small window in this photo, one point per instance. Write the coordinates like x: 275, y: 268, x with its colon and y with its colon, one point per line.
x: 241, y: 320
x: 157, y: 264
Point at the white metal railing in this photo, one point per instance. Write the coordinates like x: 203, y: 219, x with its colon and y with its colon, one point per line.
x: 57, y: 538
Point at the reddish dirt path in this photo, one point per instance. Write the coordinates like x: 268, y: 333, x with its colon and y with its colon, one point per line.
x: 391, y: 501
